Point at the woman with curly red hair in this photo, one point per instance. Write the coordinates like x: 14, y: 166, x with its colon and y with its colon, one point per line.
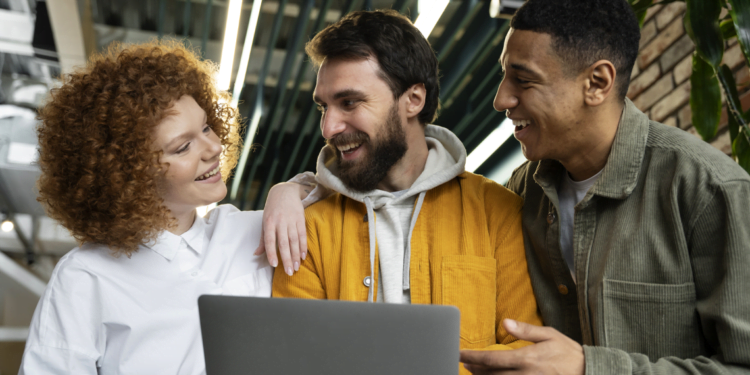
x: 129, y: 146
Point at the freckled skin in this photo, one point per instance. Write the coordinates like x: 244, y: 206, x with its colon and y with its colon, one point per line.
x: 196, y: 150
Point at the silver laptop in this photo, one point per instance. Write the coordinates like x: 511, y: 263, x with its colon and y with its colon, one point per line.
x: 246, y: 335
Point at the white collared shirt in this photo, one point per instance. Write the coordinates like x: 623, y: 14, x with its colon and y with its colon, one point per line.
x: 139, y: 315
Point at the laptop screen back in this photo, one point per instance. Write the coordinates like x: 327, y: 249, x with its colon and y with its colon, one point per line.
x: 246, y: 335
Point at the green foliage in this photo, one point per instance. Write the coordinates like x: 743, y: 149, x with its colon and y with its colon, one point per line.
x: 706, y: 95
x: 740, y: 12
x: 741, y: 148
x: 702, y: 24
x: 709, y: 32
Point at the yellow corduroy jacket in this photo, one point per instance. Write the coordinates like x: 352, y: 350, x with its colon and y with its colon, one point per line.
x: 466, y: 250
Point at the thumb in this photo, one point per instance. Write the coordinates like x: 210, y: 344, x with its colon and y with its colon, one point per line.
x: 528, y: 332
x: 261, y: 248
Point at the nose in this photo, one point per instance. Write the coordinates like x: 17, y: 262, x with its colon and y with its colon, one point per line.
x: 331, y: 123
x: 504, y: 99
x: 212, y: 148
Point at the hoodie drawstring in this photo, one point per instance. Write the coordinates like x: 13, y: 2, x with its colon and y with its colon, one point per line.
x: 373, y: 237
x: 407, y: 251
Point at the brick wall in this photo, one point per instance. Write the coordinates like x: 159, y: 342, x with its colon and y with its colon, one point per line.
x: 660, y: 83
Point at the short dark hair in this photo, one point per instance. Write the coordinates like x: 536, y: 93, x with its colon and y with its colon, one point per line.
x: 585, y: 31
x: 404, y: 55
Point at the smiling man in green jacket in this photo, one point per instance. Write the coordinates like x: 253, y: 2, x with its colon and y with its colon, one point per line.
x: 636, y: 233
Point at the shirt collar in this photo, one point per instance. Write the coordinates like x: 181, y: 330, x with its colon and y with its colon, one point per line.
x: 620, y: 175
x: 195, y: 235
x: 168, y: 243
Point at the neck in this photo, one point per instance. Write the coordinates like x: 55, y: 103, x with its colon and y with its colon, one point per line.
x: 403, y: 174
x: 185, y: 219
x: 590, y: 156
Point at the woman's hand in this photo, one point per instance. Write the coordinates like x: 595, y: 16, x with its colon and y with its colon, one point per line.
x: 284, y: 224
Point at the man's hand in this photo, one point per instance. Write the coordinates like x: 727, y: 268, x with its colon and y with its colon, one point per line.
x: 552, y: 353
x: 284, y: 224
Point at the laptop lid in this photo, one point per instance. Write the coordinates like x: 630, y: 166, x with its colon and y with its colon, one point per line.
x: 248, y: 335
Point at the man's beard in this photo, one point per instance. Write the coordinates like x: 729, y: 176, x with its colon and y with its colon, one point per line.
x: 390, y: 147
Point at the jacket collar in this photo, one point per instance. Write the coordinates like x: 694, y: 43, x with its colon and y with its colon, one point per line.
x: 620, y: 174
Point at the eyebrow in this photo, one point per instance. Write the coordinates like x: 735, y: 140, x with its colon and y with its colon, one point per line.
x: 176, y: 139
x: 341, y: 94
x: 524, y: 68
x: 184, y: 135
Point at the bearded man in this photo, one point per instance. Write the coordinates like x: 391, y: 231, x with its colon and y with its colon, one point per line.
x: 406, y: 223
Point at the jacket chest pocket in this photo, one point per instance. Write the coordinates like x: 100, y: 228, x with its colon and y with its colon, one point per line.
x: 658, y: 320
x: 469, y: 283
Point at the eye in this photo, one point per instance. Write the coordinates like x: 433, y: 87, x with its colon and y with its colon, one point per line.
x: 206, y: 129
x: 321, y: 108
x: 183, y: 148
x: 521, y: 81
x: 348, y: 103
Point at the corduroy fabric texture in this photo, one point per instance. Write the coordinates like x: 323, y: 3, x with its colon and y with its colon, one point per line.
x: 662, y: 255
x: 467, y: 251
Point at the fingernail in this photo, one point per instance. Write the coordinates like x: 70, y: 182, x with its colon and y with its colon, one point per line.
x: 289, y: 271
x: 304, y: 255
x: 512, y: 324
x: 296, y: 266
x: 274, y: 263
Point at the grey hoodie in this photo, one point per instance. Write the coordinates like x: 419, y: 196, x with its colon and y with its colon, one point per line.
x: 396, y: 212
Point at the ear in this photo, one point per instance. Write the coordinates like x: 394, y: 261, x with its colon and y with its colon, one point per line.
x: 600, y: 82
x: 414, y: 97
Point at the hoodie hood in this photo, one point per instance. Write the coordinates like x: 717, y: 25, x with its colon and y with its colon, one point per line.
x: 446, y: 159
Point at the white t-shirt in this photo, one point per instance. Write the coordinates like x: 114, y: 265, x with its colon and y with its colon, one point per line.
x: 570, y: 193
x: 117, y: 315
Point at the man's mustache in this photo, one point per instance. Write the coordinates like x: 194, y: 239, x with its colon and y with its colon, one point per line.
x: 348, y: 138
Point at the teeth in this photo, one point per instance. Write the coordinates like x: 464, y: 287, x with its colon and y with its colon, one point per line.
x: 347, y: 147
x: 210, y: 173
x: 521, y: 123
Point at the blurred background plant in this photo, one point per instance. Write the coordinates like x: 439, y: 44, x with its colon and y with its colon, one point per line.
x: 710, y: 24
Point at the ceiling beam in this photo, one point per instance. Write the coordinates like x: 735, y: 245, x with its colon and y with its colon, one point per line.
x: 272, y: 7
x: 73, y: 33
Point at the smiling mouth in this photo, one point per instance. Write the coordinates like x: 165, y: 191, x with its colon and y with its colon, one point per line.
x: 521, y: 124
x: 349, y: 148
x: 209, y: 174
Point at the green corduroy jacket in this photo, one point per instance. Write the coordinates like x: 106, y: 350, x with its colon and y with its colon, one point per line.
x: 662, y: 254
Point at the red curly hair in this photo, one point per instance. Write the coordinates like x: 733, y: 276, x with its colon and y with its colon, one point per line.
x: 96, y: 153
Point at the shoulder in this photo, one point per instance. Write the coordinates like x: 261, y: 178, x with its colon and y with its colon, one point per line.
x: 228, y: 212
x: 492, y: 193
x: 522, y: 178
x: 691, y: 157
x: 324, y: 209
x: 89, y: 259
x: 226, y: 223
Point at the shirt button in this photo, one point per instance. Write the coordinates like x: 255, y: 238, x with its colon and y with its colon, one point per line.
x: 365, y: 219
x: 562, y: 289
x: 367, y: 281
x: 194, y: 274
x: 550, y: 218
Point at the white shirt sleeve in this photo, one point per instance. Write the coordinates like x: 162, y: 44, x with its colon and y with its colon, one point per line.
x: 48, y: 360
x: 318, y: 193
x: 63, y: 332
